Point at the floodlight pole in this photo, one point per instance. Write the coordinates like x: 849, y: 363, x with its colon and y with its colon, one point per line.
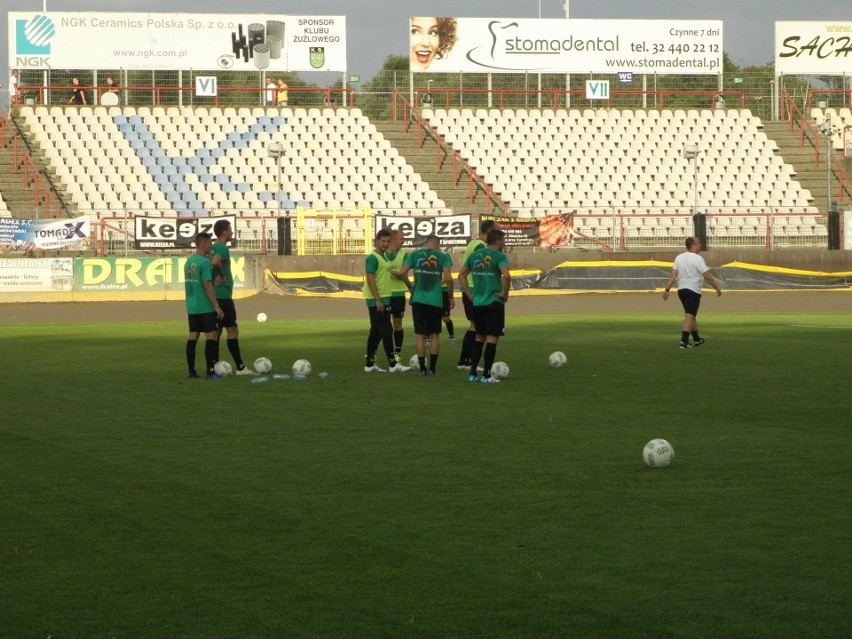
x: 828, y: 131
x: 276, y: 150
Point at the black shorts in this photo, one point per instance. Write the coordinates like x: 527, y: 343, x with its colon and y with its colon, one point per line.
x: 230, y: 318
x: 202, y: 322
x: 427, y: 318
x: 468, y: 307
x: 445, y: 298
x: 397, y: 306
x: 490, y: 320
x: 690, y: 300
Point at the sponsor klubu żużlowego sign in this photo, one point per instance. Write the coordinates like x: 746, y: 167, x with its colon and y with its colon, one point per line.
x: 817, y: 47
x: 506, y: 45
x: 175, y: 232
x: 54, y: 40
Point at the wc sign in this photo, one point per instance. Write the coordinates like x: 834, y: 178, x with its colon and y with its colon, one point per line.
x: 206, y: 86
x: 597, y: 89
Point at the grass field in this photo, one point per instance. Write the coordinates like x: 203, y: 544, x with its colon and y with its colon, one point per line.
x: 137, y: 503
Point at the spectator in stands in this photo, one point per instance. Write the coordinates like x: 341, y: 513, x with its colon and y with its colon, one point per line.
x: 489, y: 268
x: 14, y: 88
x: 110, y: 96
x: 470, y: 336
x: 431, y: 39
x: 202, y: 308
x: 78, y: 96
x: 111, y: 86
x: 377, y: 295
x: 283, y: 93
x: 690, y: 271
x: 223, y: 284
x: 271, y: 93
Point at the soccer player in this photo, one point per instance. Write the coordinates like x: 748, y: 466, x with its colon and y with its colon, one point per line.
x: 377, y: 293
x: 470, y: 335
x: 224, y: 286
x: 399, y: 287
x: 432, y: 267
x: 489, y: 267
x: 202, y: 308
x: 690, y: 271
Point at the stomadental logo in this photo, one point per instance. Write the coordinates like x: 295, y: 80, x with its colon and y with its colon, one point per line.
x: 33, y: 36
x: 509, y: 39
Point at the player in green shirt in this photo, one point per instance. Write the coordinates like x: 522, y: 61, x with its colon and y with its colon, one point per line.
x: 224, y: 287
x: 377, y: 294
x: 396, y: 257
x: 489, y: 268
x: 470, y: 335
x: 432, y: 268
x: 202, y: 308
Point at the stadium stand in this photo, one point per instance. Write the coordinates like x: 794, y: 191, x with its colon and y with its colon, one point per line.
x: 841, y: 121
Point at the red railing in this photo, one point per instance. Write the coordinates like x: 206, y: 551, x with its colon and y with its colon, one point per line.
x: 345, y: 97
x: 558, y: 97
x: 24, y: 164
x: 460, y: 165
x: 814, y: 93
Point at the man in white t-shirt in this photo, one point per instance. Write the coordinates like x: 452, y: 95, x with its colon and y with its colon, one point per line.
x: 271, y: 92
x: 691, y: 272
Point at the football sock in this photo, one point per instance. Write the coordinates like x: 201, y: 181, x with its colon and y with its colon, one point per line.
x: 684, y: 337
x: 398, y: 336
x: 475, y: 355
x: 433, y: 363
x: 490, y: 354
x: 450, y: 330
x: 695, y: 337
x: 422, y: 362
x: 190, y: 355
x: 211, y: 354
x: 234, y: 349
x: 467, y: 347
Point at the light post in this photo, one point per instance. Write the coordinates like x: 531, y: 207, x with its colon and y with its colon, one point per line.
x: 832, y: 216
x: 699, y: 224
x: 276, y: 150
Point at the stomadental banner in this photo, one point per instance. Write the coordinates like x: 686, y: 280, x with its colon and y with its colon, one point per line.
x: 819, y: 48
x: 242, y: 42
x: 20, y: 235
x: 501, y: 45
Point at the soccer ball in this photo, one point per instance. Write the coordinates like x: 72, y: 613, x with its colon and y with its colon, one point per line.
x: 500, y: 370
x: 262, y: 365
x: 302, y: 367
x: 261, y: 317
x: 414, y: 362
x: 557, y: 359
x: 223, y: 368
x: 658, y: 453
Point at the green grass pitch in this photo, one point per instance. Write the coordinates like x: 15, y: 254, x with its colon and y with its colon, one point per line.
x: 137, y: 503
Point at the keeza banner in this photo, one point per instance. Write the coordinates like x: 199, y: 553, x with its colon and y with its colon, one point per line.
x: 511, y: 45
x: 453, y: 230
x: 63, y: 233
x: 175, y: 41
x: 818, y: 48
x: 175, y: 232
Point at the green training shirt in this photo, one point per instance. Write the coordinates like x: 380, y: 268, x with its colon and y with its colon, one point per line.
x: 428, y: 267
x: 196, y: 271
x: 474, y: 245
x: 225, y: 290
x: 485, y: 265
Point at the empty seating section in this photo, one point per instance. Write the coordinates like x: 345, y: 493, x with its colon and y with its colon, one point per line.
x: 182, y: 161
x: 841, y: 123
x: 600, y: 162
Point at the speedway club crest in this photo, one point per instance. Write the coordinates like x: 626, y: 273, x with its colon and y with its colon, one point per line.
x: 317, y: 57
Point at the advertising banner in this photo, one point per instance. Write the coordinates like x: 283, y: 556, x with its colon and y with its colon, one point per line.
x: 244, y: 42
x: 546, y: 232
x: 453, y: 230
x: 512, y: 45
x: 36, y: 275
x: 819, y: 48
x: 175, y: 232
x: 63, y: 233
x: 140, y: 274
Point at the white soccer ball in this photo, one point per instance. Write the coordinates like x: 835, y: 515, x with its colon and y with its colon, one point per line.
x: 262, y: 365
x: 557, y: 359
x: 658, y: 453
x: 223, y: 368
x: 302, y: 367
x: 261, y: 317
x: 500, y: 370
x: 414, y: 362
